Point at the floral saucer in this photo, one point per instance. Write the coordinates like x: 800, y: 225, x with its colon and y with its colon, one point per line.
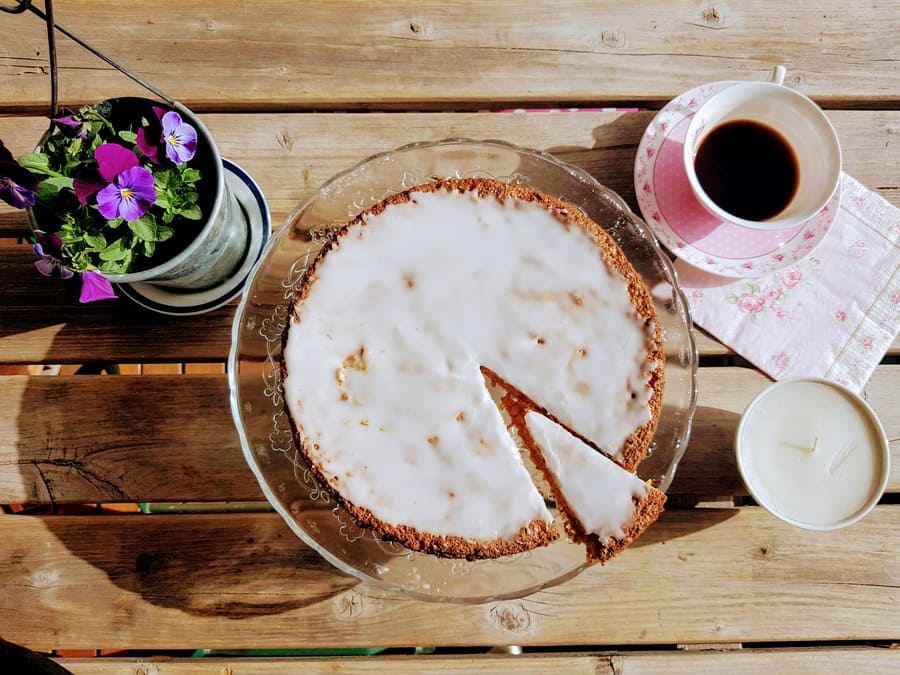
x: 178, y: 302
x: 687, y: 229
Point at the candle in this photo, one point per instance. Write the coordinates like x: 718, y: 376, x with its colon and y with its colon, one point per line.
x: 813, y: 453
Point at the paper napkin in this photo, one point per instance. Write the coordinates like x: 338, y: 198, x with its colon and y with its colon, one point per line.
x: 833, y: 314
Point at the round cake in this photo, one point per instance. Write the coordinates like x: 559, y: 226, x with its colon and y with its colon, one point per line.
x: 408, y: 314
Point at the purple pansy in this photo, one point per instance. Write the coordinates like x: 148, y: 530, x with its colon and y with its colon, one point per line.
x: 130, y: 196
x: 112, y: 159
x: 180, y: 138
x: 95, y: 286
x: 17, y: 184
x: 48, y: 249
x: 70, y: 125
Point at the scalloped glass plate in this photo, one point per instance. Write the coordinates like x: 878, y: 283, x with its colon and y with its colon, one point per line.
x: 254, y: 376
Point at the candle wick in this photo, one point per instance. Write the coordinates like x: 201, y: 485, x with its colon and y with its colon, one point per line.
x: 841, y: 456
x: 815, y: 444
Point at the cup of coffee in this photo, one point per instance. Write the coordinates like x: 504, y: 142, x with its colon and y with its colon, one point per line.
x: 761, y: 155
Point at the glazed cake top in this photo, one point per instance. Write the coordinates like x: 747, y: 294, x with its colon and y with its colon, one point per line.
x: 599, y: 492
x: 384, y: 352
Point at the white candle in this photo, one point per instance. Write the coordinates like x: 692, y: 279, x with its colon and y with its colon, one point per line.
x: 813, y: 453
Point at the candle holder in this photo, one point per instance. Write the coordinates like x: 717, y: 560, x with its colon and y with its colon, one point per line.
x: 813, y: 453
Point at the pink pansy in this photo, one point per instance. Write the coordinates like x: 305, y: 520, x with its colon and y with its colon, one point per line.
x: 150, y: 150
x: 95, y: 286
x: 791, y: 277
x: 112, y: 159
x: 750, y: 303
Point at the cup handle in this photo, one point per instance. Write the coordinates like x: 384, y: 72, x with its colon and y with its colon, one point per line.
x: 777, y: 76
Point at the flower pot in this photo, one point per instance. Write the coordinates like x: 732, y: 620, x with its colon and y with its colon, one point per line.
x: 202, y: 253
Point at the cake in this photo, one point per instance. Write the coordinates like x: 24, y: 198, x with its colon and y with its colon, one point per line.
x: 408, y: 312
x: 605, y: 507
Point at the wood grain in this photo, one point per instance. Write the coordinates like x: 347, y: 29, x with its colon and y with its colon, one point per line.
x: 241, y: 581
x: 740, y: 662
x: 171, y: 438
x: 290, y: 156
x: 466, y: 54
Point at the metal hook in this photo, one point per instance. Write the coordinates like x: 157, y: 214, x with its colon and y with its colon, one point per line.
x: 47, y: 17
x: 18, y: 8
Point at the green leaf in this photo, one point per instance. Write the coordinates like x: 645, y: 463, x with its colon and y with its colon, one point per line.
x: 149, y: 248
x: 144, y: 228
x: 193, y: 212
x: 163, y: 233
x: 37, y: 162
x: 49, y: 188
x: 128, y: 136
x: 118, y: 250
x: 116, y: 266
x: 95, y: 241
x: 190, y: 175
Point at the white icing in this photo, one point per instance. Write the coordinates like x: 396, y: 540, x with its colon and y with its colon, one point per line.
x: 430, y: 290
x: 599, y: 492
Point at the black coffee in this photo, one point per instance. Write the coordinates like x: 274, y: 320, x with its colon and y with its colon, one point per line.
x: 748, y: 169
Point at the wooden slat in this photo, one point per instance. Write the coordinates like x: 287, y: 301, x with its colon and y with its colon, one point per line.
x: 149, y: 438
x: 242, y: 581
x: 171, y: 438
x: 295, y: 55
x: 290, y: 156
x: 745, y: 661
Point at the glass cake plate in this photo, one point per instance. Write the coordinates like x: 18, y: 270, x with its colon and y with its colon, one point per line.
x: 255, y: 378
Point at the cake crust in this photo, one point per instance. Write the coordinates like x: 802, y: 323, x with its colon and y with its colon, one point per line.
x: 537, y: 532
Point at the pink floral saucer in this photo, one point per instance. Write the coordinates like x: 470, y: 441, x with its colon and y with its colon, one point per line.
x: 690, y: 231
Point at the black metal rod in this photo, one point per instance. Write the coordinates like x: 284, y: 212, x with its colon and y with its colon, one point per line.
x: 48, y: 18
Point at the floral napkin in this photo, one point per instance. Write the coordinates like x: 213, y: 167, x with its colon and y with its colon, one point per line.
x: 833, y: 314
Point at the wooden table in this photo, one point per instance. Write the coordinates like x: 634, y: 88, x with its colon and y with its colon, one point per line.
x: 295, y: 92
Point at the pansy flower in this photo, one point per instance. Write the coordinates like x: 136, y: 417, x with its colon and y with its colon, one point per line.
x: 69, y: 124
x: 133, y: 194
x: 180, y: 138
x: 95, y: 286
x: 130, y: 196
x: 17, y: 184
x: 48, y: 249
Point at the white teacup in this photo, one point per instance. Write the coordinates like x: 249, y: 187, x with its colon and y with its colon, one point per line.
x: 735, y: 124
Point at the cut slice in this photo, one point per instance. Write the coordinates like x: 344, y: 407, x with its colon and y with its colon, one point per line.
x: 604, y: 506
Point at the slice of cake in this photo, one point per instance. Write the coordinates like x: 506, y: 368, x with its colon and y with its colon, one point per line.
x: 388, y: 334
x: 605, y: 506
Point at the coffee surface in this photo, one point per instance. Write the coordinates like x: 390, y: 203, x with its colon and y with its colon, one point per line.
x: 748, y: 169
